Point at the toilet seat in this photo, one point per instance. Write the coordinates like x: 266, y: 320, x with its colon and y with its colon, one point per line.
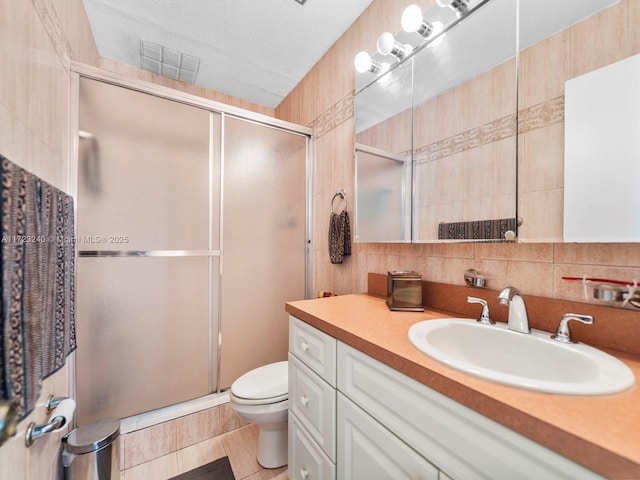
x: 264, y: 385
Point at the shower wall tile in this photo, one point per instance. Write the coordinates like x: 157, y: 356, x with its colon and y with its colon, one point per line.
x: 529, y: 252
x: 229, y: 419
x: 541, y: 158
x: 538, y: 82
x: 600, y: 39
x: 197, y: 427
x: 603, y: 254
x: 425, y: 121
x: 143, y: 445
x: 449, y: 106
x: 541, y: 212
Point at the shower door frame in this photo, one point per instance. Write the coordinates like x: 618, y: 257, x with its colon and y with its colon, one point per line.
x: 79, y: 70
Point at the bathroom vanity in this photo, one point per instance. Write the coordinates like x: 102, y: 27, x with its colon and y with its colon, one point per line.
x: 364, y: 403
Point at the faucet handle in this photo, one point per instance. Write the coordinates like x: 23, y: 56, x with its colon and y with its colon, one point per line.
x: 564, y: 334
x: 484, y: 317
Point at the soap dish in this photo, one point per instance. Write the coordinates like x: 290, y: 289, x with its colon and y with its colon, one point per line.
x: 473, y: 278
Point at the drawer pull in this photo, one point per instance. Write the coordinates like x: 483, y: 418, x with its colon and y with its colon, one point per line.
x: 303, y: 473
x: 305, y: 346
x: 304, y: 400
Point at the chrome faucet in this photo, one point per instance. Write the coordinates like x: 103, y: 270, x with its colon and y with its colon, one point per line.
x: 564, y: 334
x: 518, y: 319
x: 485, y: 319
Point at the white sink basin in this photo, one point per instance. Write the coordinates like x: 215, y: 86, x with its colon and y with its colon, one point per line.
x: 534, y: 361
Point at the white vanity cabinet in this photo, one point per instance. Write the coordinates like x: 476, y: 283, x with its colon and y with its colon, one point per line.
x: 389, y: 426
x: 459, y: 441
x: 312, y: 403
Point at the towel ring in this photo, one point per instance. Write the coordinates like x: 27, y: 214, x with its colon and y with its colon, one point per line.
x: 341, y: 194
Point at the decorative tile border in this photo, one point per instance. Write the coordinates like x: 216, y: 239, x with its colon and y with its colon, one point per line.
x: 532, y: 118
x: 484, y: 134
x: 334, y: 116
x: 541, y: 115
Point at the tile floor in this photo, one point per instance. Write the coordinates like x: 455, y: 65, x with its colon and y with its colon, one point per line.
x: 239, y: 445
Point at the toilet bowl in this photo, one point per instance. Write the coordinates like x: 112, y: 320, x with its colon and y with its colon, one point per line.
x: 261, y: 397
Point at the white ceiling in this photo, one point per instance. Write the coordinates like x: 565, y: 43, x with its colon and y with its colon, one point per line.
x: 257, y: 50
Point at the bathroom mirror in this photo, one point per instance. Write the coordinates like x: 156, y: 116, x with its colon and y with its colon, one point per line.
x: 383, y: 158
x: 471, y: 106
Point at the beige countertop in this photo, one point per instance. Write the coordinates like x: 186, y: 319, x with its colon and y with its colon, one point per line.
x: 600, y: 432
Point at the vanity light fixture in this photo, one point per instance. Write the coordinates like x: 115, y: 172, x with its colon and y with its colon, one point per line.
x: 413, y: 21
x: 364, y: 63
x: 387, y: 45
x: 461, y: 7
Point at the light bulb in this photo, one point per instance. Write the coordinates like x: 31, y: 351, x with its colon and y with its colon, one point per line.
x: 385, y: 43
x: 411, y: 19
x: 459, y: 6
x: 362, y: 62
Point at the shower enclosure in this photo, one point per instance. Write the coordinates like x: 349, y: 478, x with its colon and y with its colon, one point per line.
x: 192, y: 234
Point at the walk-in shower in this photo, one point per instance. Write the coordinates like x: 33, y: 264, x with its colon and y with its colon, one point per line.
x: 192, y: 234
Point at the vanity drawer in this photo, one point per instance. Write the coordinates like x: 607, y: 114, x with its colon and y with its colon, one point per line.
x: 315, y: 348
x: 306, y: 460
x: 313, y: 402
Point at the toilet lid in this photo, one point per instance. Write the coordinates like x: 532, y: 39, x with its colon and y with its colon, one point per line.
x: 263, y: 382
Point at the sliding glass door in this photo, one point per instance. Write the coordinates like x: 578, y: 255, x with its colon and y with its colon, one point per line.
x: 192, y: 234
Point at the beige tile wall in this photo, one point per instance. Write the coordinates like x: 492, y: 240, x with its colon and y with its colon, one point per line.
x: 536, y: 268
x: 165, y: 438
x: 38, y: 39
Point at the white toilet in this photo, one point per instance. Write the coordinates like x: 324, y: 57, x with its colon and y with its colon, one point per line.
x: 261, y: 397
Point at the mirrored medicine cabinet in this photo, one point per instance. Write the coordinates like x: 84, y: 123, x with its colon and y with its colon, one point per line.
x: 439, y: 134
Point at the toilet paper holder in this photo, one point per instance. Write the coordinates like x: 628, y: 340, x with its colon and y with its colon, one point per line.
x: 35, y: 431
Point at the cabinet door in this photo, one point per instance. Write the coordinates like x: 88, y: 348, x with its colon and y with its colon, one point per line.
x: 368, y: 450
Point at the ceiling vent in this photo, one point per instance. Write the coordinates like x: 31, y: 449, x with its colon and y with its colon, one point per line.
x: 170, y: 63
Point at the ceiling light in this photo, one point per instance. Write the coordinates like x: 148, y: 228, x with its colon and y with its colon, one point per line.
x: 461, y: 7
x: 364, y: 63
x: 413, y: 21
x: 387, y: 45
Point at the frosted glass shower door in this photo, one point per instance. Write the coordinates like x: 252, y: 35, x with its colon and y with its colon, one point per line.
x: 148, y: 247
x: 264, y: 243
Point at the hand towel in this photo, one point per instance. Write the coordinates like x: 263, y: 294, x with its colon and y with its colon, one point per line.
x: 37, y: 269
x: 339, y: 237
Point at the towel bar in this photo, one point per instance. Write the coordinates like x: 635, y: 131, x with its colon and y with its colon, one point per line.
x: 339, y: 193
